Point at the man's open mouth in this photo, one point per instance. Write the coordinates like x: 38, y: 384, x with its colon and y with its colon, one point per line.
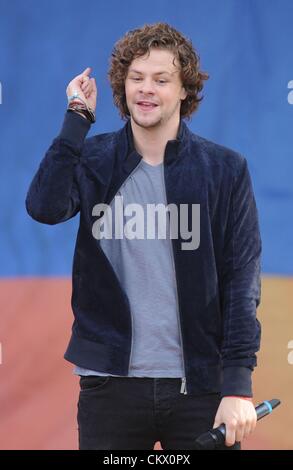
x: 146, y: 106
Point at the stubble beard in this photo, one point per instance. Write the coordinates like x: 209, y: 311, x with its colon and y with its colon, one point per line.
x: 144, y: 124
x: 155, y: 123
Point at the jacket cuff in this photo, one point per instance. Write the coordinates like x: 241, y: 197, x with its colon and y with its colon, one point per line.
x: 74, y: 128
x: 236, y: 382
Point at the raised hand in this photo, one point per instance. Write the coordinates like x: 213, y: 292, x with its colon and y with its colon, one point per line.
x: 85, y: 87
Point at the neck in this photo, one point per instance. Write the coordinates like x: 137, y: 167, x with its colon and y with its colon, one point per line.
x: 150, y: 143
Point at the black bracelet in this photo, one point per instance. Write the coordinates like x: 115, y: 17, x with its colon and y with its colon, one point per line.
x: 87, y: 112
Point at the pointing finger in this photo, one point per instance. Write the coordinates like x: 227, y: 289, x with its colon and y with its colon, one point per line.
x: 87, y: 71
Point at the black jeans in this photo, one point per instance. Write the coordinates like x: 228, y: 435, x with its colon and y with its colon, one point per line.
x: 133, y: 413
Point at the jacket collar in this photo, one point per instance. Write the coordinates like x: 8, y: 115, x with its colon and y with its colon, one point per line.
x: 174, y: 148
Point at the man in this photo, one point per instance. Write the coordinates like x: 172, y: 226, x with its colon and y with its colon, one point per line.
x: 165, y: 330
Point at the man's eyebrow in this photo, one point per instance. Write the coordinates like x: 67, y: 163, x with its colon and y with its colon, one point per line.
x: 156, y: 73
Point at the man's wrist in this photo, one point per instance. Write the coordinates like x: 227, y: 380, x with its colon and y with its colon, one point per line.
x: 235, y: 396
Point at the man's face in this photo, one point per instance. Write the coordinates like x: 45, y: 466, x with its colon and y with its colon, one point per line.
x: 154, y: 79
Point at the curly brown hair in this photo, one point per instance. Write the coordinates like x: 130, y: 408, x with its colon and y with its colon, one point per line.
x: 140, y: 41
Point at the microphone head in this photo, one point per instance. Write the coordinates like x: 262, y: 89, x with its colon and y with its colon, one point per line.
x: 205, y: 441
x: 210, y: 440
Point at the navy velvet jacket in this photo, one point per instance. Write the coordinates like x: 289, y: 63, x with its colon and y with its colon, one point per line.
x: 218, y: 284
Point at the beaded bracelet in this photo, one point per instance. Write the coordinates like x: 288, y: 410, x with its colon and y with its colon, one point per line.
x: 74, y: 105
x: 88, y: 113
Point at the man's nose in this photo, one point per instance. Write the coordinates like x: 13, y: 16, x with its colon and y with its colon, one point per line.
x: 146, y: 86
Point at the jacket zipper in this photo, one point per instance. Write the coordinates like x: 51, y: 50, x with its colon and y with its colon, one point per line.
x: 183, y: 381
x: 130, y: 356
x: 124, y: 182
x: 129, y: 305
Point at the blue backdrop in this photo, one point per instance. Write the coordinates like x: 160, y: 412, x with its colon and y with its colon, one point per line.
x: 245, y: 46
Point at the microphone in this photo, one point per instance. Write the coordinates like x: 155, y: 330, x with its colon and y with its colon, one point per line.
x: 215, y: 438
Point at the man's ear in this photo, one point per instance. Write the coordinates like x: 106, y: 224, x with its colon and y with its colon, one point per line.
x: 183, y: 94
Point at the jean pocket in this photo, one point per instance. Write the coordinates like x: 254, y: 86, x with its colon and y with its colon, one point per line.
x: 92, y: 383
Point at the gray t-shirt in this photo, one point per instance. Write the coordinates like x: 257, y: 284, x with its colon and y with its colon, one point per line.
x: 145, y: 270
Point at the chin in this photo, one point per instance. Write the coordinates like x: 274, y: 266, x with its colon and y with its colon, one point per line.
x: 146, y: 122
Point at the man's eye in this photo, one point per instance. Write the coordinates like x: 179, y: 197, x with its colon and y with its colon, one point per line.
x: 136, y: 79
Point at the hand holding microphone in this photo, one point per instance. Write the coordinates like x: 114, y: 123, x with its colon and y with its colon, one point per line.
x: 215, y: 438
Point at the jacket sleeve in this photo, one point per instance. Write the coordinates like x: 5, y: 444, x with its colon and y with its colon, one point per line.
x: 53, y: 195
x: 241, y: 288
